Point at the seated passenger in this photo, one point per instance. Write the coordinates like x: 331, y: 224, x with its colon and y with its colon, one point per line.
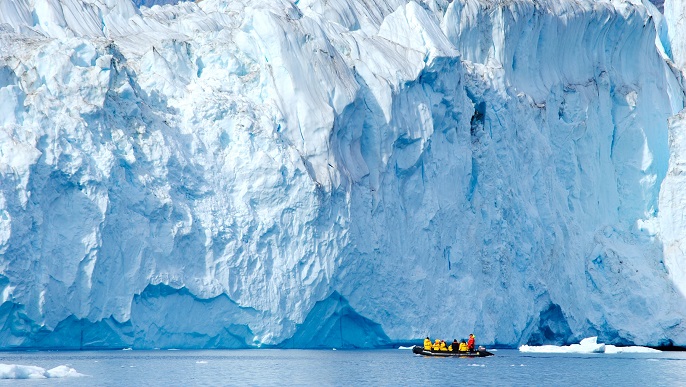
x: 443, y: 347
x: 427, y: 344
x: 454, y: 346
x: 437, y: 346
x: 463, y: 346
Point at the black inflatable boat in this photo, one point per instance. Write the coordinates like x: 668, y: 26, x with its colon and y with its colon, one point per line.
x: 480, y: 352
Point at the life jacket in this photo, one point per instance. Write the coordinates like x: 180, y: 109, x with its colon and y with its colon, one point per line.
x: 450, y: 348
x: 436, y: 346
x: 470, y: 343
x: 463, y: 347
x: 443, y: 347
x: 427, y: 344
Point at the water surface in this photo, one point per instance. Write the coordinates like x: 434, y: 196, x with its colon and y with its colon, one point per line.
x: 360, y: 367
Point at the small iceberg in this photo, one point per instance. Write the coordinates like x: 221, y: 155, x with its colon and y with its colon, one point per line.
x: 633, y: 349
x: 16, y: 371
x: 405, y: 348
x: 587, y: 345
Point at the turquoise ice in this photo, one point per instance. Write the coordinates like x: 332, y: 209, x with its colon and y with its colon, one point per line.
x: 340, y: 173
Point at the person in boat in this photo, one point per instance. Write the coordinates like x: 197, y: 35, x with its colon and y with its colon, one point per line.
x: 443, y: 346
x: 427, y: 344
x: 454, y: 346
x: 463, y: 346
x: 470, y: 342
x: 437, y: 346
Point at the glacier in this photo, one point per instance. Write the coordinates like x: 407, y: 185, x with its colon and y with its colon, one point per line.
x: 342, y: 173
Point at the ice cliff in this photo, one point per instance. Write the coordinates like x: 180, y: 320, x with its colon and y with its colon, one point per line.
x: 345, y: 173
x: 675, y: 16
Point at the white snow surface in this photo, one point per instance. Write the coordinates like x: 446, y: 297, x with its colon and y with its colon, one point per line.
x: 339, y: 173
x: 16, y: 371
x: 587, y: 345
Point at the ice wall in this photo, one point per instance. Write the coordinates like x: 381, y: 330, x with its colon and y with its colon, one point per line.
x: 672, y: 203
x: 674, y: 15
x: 671, y: 195
x: 332, y: 174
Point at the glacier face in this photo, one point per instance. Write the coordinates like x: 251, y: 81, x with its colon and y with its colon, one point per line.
x: 676, y: 26
x: 338, y: 173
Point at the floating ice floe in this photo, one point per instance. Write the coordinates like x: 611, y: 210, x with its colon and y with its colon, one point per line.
x: 587, y: 345
x: 15, y: 371
x: 402, y: 347
x: 632, y: 349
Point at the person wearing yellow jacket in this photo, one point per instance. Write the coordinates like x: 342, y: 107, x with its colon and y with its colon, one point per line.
x: 437, y: 346
x: 443, y: 347
x: 463, y: 346
x: 427, y: 344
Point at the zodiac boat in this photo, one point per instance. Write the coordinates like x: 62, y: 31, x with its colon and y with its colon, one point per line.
x: 480, y: 352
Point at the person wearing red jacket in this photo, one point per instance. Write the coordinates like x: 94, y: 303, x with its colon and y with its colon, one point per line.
x: 470, y: 342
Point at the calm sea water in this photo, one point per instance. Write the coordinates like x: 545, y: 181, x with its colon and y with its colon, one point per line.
x: 361, y: 367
